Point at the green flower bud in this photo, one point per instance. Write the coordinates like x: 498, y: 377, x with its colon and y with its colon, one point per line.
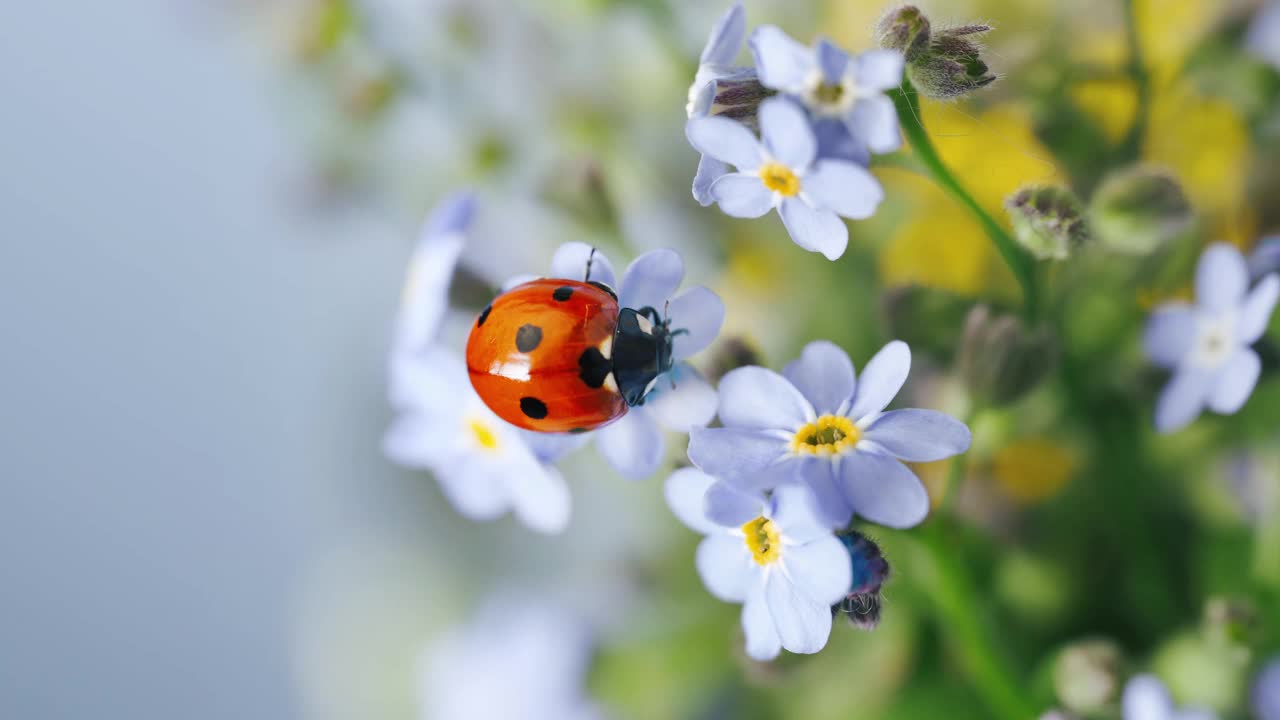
x: 906, y: 30
x: 1087, y: 675
x: 1136, y: 211
x: 941, y: 64
x: 738, y: 98
x: 1048, y: 220
x: 999, y: 359
x: 927, y: 319
x: 1231, y: 622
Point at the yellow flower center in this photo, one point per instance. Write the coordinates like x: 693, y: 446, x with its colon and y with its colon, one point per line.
x: 779, y: 178
x: 484, y: 435
x: 763, y: 540
x: 828, y: 435
x: 828, y: 94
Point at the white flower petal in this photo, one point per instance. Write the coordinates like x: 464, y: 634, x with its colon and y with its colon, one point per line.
x: 795, y: 514
x: 733, y: 454
x: 475, y: 487
x: 763, y: 643
x: 883, y: 490
x: 1235, y: 382
x: 880, y: 69
x: 726, y: 567
x: 633, y: 444
x: 725, y: 140
x: 1145, y: 698
x: 684, y: 490
x: 730, y: 507
x: 875, y: 120
x: 540, y: 498
x: 919, y: 435
x: 785, y: 131
x: 417, y: 441
x: 820, y: 570
x: 425, y: 298
x: 700, y: 313
x: 651, y: 279
x: 1255, y: 314
x: 827, y: 496
x: 726, y: 37
x: 690, y: 404
x: 783, y: 63
x: 570, y: 262
x: 757, y: 398
x: 824, y: 375
x: 1170, y: 334
x: 1222, y: 277
x: 742, y: 195
x: 709, y: 171
x: 516, y: 280
x: 813, y: 229
x: 844, y: 188
x: 1184, y: 398
x: 881, y: 379
x: 803, y: 624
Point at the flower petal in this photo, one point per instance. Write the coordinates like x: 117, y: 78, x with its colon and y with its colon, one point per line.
x: 827, y: 496
x: 651, y: 279
x: 883, y: 490
x: 832, y: 60
x: 690, y: 403
x: 763, y: 643
x: 725, y: 140
x: 919, y: 435
x: 783, y: 63
x: 835, y: 142
x: 729, y: 507
x: 551, y: 447
x: 1145, y: 698
x: 476, y: 489
x: 725, y: 566
x: 709, y: 171
x: 700, y: 313
x: 880, y: 69
x: 1257, y: 309
x: 881, y: 379
x: 824, y: 375
x: 417, y: 441
x: 1265, y: 258
x: 516, y: 281
x: 734, y: 454
x: 742, y: 195
x: 785, y: 130
x: 1170, y: 333
x: 685, y: 491
x: 726, y: 37
x: 814, y: 230
x: 425, y: 298
x: 803, y: 624
x: 845, y: 188
x: 757, y: 398
x: 570, y: 262
x: 875, y: 120
x: 1235, y: 382
x: 1266, y: 688
x: 820, y: 570
x: 794, y: 513
x: 1184, y: 397
x: 1222, y: 277
x: 633, y: 444
x: 540, y: 498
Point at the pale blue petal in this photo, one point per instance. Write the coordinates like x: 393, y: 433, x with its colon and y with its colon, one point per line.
x: 477, y: 489
x: 1145, y: 698
x: 453, y: 215
x: 832, y: 60
x: 726, y: 37
x: 1255, y: 314
x: 570, y: 262
x: 1222, y: 277
x: 551, y: 447
x: 824, y: 375
x: 725, y: 565
x: 709, y: 171
x: 418, y: 441
x: 1170, y: 333
x: 763, y: 643
x: 784, y: 471
x: 783, y: 63
x: 684, y: 490
x: 689, y: 404
x: 879, y: 69
x: 875, y: 120
x: 1266, y: 689
x: 725, y: 140
x: 883, y: 490
x: 730, y: 453
x: 742, y: 195
x: 820, y: 569
x: 425, y: 298
x: 814, y: 230
x: 850, y: 190
x: 803, y: 624
x: 795, y: 516
x: 1235, y: 383
x: 919, y: 435
x: 836, y: 143
x: 516, y: 281
x: 785, y: 130
x: 881, y: 379
x: 651, y: 279
x: 633, y: 444
x: 540, y: 498
x: 1265, y: 258
x: 1184, y: 398
x: 727, y: 506
x: 700, y: 313
x: 757, y: 398
x: 1263, y: 39
x: 827, y: 496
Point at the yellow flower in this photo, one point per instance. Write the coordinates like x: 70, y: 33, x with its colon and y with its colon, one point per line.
x: 1033, y: 469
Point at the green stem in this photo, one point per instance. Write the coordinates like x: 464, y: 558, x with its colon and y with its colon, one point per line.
x: 1131, y: 146
x: 906, y: 100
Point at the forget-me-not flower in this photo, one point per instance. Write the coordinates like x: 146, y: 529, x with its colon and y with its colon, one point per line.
x: 1266, y: 692
x: 485, y: 466
x: 715, y: 65
x: 1207, y: 345
x: 1263, y: 38
x: 819, y: 425
x: 782, y: 171
x: 772, y: 555
x: 1146, y: 698
x: 512, y: 660
x: 634, y: 444
x: 844, y: 93
x: 1265, y: 258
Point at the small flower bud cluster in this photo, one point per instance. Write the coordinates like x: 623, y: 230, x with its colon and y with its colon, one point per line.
x: 1138, y: 210
x: 1000, y: 360
x: 1048, y: 220
x: 942, y: 64
x: 870, y: 572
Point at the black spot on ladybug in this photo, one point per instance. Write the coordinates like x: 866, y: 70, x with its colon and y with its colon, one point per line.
x: 595, y: 367
x: 484, y: 315
x: 577, y: 431
x: 528, y: 337
x: 533, y: 407
x: 605, y: 288
x: 562, y: 293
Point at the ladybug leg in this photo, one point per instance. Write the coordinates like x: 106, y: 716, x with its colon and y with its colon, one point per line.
x: 590, y: 259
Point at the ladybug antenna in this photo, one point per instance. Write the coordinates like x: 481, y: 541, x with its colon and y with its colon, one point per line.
x: 590, y: 258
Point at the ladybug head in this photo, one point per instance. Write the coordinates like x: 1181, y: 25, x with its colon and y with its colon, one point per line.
x: 641, y: 352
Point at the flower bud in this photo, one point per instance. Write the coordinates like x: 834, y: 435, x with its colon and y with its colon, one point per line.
x: 999, y: 359
x: 1136, y: 211
x: 1048, y: 220
x: 1231, y: 621
x: 927, y: 319
x: 1087, y: 675
x: 906, y: 30
x: 941, y: 64
x: 738, y: 97
x: 732, y: 353
x: 870, y: 571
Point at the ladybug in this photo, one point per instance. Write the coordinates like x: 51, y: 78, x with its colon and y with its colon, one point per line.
x: 556, y: 355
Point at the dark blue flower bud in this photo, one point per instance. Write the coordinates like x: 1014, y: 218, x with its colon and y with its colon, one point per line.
x: 870, y: 571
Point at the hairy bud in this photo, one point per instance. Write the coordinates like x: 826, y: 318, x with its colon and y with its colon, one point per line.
x: 999, y: 359
x: 870, y: 571
x: 906, y: 30
x: 1087, y: 675
x: 1136, y: 211
x: 942, y: 64
x: 1048, y: 220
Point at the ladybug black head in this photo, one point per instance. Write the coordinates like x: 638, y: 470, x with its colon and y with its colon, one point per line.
x: 641, y: 352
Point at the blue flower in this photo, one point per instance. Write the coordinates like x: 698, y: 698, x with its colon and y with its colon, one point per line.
x: 1263, y: 38
x: 1146, y: 698
x: 1266, y: 692
x: 783, y: 172
x: 716, y: 64
x: 772, y: 555
x: 842, y: 92
x: 819, y: 425
x: 1207, y: 344
x: 635, y: 445
x: 485, y: 466
x: 1265, y: 258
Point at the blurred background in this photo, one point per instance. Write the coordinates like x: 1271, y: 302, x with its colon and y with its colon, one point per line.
x: 206, y: 213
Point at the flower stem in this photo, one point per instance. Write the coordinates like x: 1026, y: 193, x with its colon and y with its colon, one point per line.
x: 907, y: 103
x: 1131, y: 146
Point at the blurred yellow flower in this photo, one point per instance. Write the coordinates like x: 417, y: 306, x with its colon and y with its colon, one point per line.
x: 1033, y: 469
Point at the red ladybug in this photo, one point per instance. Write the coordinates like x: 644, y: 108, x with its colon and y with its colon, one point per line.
x: 561, y: 356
